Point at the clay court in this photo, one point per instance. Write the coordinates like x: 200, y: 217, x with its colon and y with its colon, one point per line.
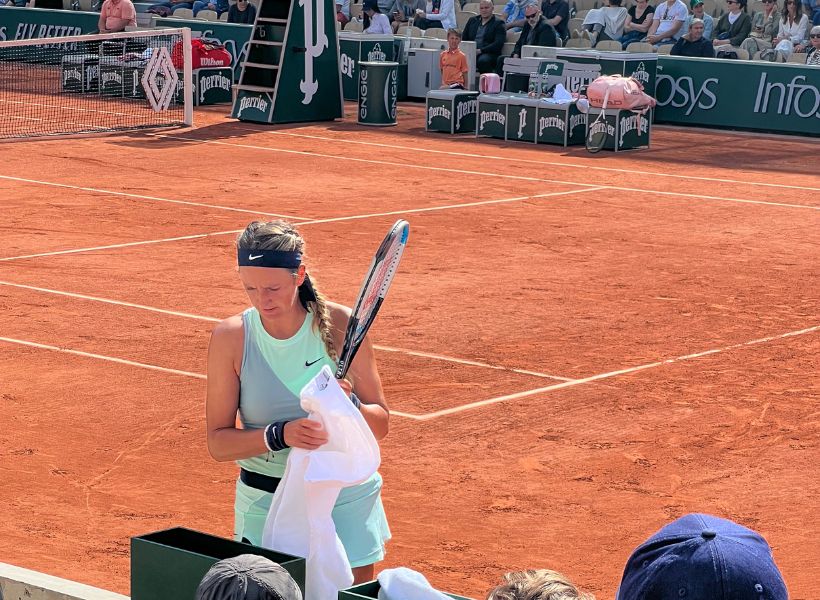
x: 577, y: 349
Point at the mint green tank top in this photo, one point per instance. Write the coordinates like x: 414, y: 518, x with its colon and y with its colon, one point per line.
x: 273, y: 372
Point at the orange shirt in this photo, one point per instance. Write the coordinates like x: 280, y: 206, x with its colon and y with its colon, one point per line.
x: 115, y: 15
x: 453, y: 66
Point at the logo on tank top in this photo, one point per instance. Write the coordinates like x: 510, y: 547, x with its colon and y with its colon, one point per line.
x: 308, y: 364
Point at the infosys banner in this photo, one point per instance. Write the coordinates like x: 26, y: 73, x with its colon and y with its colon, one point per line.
x: 31, y: 23
x: 774, y: 97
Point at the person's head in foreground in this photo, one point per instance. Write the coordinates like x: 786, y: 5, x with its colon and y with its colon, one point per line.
x: 453, y: 38
x: 814, y: 36
x: 247, y: 577
x: 537, y: 584
x: 702, y: 557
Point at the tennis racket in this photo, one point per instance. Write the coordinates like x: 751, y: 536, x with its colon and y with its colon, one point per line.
x: 596, y: 134
x: 372, y: 294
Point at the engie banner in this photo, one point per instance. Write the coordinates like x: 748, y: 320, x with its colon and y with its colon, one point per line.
x: 738, y: 94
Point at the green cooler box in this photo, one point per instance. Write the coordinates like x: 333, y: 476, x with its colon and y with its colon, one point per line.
x: 491, y: 118
x: 370, y: 591
x: 378, y: 93
x: 212, y: 86
x: 169, y: 564
x: 626, y: 130
x: 81, y: 73
x: 355, y: 48
x: 522, y: 114
x: 561, y: 124
x: 451, y: 111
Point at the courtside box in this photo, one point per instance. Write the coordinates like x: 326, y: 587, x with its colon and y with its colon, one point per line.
x: 522, y: 116
x: 561, y: 124
x: 625, y: 130
x: 491, y: 118
x: 169, y: 564
x: 451, y: 111
x: 370, y: 590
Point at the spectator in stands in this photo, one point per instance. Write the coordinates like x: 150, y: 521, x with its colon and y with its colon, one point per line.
x: 116, y: 15
x: 437, y: 13
x: 556, y: 12
x: 606, y: 23
x: 220, y: 6
x: 379, y: 23
x: 667, y: 22
x: 489, y: 35
x: 514, y: 18
x: 812, y: 10
x: 734, y: 26
x: 242, y: 12
x: 536, y: 32
x: 174, y: 5
x: 693, y: 43
x: 813, y: 57
x: 698, y: 13
x: 453, y: 63
x: 247, y: 577
x: 638, y: 22
x: 404, y: 11
x: 342, y: 12
x: 541, y: 584
x: 702, y: 557
x: 792, y: 33
x: 765, y: 24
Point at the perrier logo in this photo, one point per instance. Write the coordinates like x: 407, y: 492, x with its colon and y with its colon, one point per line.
x: 376, y: 54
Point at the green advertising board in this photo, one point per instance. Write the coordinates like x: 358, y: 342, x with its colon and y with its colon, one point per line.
x: 32, y: 23
x: 491, y: 116
x: 561, y: 124
x: 354, y: 49
x: 522, y: 114
x: 774, y: 97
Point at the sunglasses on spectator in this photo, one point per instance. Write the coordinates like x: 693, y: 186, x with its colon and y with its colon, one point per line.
x: 532, y: 16
x: 768, y: 1
x: 815, y: 36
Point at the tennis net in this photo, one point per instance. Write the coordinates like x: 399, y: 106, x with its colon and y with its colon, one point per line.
x: 95, y: 83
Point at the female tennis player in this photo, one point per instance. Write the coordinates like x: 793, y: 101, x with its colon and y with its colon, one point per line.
x: 258, y: 361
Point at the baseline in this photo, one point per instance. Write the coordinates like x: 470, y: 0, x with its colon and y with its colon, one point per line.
x: 441, y: 357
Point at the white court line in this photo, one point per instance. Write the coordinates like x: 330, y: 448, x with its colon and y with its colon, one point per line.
x: 306, y: 222
x: 152, y: 198
x: 531, y: 161
x: 483, y: 173
x: 574, y: 382
x: 175, y: 313
x: 140, y: 365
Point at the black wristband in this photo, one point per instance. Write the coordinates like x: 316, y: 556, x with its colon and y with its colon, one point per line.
x: 275, y: 436
x: 355, y: 400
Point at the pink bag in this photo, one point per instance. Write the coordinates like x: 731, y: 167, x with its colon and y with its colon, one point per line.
x: 489, y: 83
x: 622, y: 93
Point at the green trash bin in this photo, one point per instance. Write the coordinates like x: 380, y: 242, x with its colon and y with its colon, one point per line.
x: 169, y: 564
x: 378, y: 93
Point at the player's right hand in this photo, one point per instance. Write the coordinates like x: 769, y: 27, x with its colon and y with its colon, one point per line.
x: 306, y: 434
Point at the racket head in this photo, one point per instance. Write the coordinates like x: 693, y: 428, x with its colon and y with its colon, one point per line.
x: 596, y: 136
x: 372, y: 293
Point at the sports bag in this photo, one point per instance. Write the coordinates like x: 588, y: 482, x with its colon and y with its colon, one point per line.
x: 623, y: 93
x: 204, y: 54
x: 489, y: 83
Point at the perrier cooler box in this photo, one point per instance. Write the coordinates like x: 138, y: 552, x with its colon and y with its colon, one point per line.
x: 169, y: 564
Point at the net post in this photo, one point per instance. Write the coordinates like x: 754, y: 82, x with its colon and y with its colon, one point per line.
x: 187, y: 73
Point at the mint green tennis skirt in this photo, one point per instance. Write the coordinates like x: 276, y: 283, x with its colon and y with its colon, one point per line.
x: 358, y: 515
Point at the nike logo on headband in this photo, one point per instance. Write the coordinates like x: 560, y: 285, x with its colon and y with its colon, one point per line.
x: 252, y: 257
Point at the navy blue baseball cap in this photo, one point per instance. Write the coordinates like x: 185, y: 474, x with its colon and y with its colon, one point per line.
x: 702, y: 557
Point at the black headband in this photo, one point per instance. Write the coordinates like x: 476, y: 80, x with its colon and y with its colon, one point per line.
x: 274, y: 259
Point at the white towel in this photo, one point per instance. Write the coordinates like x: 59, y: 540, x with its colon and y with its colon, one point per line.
x: 405, y: 584
x: 299, y: 521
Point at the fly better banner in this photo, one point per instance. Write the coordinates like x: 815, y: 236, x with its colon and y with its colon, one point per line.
x: 738, y: 94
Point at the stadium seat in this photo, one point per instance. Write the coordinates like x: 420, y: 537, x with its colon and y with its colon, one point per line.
x: 436, y: 33
x: 507, y: 49
x: 709, y: 7
x: 640, y: 47
x: 355, y: 11
x: 610, y: 45
x: 798, y: 58
x: 410, y: 31
x: 578, y: 43
x: 462, y: 18
x: 207, y: 15
x: 470, y: 7
x: 183, y: 13
x: 354, y: 26
x: 223, y: 16
x: 581, y: 14
x: 500, y: 4
x: 575, y: 23
x: 512, y: 36
x: 665, y: 49
x: 741, y: 53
